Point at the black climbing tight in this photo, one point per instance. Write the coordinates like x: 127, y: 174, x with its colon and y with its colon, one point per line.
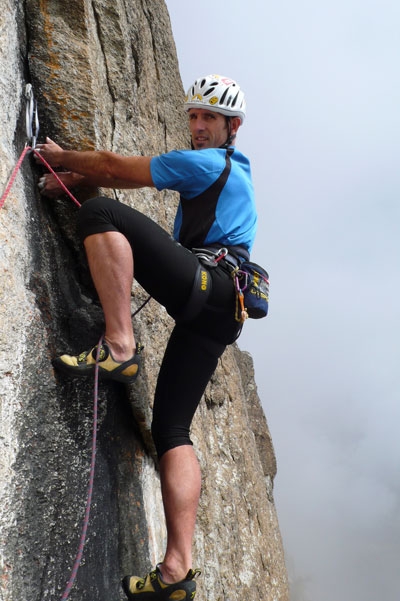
x: 188, y: 364
x: 166, y: 270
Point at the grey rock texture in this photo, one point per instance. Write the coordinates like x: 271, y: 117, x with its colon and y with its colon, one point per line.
x: 105, y: 75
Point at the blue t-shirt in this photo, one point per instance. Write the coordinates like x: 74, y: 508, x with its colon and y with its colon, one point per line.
x: 192, y: 172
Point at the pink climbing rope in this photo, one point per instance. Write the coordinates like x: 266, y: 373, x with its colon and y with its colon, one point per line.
x: 13, y: 176
x: 82, y: 541
x: 46, y: 164
x: 63, y: 186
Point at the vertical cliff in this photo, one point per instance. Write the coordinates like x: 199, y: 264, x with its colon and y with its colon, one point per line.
x: 105, y: 75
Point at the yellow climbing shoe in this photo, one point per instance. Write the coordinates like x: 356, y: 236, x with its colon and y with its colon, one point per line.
x: 153, y: 588
x: 109, y: 369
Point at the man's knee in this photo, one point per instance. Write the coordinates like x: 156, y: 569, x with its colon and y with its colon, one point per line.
x: 167, y: 437
x: 95, y: 216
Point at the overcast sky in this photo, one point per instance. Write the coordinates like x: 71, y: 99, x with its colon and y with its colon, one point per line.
x: 322, y: 82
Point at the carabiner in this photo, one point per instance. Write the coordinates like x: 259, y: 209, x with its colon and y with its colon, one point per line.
x: 31, y: 116
x: 221, y: 254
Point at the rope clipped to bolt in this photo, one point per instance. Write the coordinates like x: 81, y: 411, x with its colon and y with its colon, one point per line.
x: 32, y: 132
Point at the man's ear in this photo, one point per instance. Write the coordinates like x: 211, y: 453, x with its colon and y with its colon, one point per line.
x: 235, y: 124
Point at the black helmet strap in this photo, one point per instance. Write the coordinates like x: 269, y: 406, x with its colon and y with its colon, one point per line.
x: 231, y: 136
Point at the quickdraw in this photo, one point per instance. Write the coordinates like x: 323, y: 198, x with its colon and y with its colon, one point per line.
x: 32, y: 132
x: 241, y: 313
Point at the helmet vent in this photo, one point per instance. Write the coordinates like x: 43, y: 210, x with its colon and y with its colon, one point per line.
x: 222, y: 99
x: 235, y: 99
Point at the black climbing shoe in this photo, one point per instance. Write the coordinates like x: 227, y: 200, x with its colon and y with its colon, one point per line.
x: 152, y: 587
x: 109, y: 369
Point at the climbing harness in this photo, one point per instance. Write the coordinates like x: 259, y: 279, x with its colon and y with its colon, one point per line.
x: 198, y: 297
x: 251, y: 281
x: 202, y: 283
x: 209, y: 257
x: 212, y: 255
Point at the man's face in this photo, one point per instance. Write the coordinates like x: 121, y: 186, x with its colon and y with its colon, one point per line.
x: 208, y: 129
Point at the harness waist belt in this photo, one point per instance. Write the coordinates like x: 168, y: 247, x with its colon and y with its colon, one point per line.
x: 210, y: 254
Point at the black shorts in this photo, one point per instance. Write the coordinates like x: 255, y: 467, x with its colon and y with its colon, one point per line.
x: 166, y: 270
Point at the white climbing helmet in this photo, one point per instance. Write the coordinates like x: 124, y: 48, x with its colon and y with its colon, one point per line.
x: 217, y: 93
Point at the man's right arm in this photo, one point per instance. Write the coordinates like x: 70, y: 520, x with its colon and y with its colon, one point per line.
x: 97, y: 168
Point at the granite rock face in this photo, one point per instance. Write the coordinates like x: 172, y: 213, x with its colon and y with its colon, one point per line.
x: 105, y: 75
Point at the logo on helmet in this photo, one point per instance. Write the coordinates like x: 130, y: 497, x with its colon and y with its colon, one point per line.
x: 213, y: 100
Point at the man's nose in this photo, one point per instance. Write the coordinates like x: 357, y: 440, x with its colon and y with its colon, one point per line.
x: 200, y: 124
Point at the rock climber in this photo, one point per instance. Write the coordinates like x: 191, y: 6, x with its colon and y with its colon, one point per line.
x: 189, y: 273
